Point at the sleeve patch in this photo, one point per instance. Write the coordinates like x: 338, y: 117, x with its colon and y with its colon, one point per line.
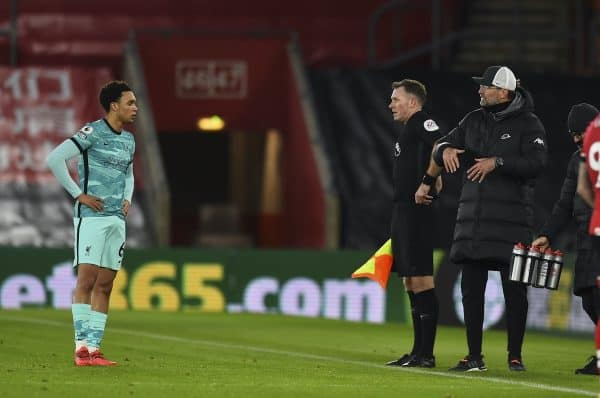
x: 85, y: 131
x: 430, y: 125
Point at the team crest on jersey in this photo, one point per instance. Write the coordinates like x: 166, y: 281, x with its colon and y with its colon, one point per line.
x: 397, y: 150
x: 539, y: 141
x: 85, y: 131
x: 430, y: 125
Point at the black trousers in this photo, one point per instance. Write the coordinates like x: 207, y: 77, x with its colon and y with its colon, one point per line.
x: 474, y: 279
x: 590, y: 300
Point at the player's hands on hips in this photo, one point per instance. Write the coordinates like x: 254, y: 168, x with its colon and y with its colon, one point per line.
x: 92, y: 202
x: 481, y: 168
x: 422, y: 196
x: 126, y: 206
x: 450, y: 156
x: 542, y: 242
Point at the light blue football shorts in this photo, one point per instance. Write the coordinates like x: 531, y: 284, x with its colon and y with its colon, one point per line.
x: 99, y: 241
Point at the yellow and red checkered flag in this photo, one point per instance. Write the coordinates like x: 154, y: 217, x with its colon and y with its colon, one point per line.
x: 378, y: 267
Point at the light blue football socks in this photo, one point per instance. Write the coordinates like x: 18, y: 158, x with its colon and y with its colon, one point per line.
x: 96, y: 330
x: 81, y: 320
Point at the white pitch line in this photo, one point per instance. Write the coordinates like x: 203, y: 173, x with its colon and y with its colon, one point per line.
x: 163, y: 337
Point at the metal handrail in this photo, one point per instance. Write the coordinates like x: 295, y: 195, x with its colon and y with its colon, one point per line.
x: 429, y: 48
x: 434, y: 46
x: 452, y: 37
x: 375, y: 17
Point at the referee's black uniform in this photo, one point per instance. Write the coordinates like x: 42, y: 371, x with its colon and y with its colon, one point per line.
x: 412, y: 224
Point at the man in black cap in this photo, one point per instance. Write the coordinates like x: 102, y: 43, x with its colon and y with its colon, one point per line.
x: 501, y: 146
x: 571, y: 206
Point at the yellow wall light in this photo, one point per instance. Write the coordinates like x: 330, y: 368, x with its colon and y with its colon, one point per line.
x: 210, y: 123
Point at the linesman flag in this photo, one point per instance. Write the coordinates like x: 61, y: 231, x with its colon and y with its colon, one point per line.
x: 378, y: 267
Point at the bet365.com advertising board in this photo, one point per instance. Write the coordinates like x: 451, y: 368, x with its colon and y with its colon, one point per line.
x: 303, y: 283
x: 299, y: 283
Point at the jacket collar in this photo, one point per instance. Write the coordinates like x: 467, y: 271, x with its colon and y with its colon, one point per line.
x: 523, y: 102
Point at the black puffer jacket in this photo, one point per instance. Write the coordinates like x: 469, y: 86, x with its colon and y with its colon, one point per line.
x: 569, y: 207
x: 495, y: 214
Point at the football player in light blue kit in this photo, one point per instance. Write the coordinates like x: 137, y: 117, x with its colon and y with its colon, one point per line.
x: 103, y: 197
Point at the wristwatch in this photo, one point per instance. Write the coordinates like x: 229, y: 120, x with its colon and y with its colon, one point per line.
x: 499, y: 162
x: 428, y: 180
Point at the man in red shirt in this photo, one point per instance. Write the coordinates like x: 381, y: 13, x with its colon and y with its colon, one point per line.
x: 588, y: 187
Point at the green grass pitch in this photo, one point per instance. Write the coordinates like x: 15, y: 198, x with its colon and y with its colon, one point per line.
x: 244, y: 355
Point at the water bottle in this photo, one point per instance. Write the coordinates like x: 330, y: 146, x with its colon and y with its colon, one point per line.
x: 555, y: 271
x: 516, y: 262
x: 540, y: 277
x: 531, y: 262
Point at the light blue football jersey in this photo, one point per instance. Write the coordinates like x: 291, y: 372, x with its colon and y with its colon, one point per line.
x: 106, y: 155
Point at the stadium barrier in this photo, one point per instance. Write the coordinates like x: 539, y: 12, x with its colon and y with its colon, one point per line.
x: 289, y: 282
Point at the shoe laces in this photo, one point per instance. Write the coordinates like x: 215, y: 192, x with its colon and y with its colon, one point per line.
x: 97, y: 354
